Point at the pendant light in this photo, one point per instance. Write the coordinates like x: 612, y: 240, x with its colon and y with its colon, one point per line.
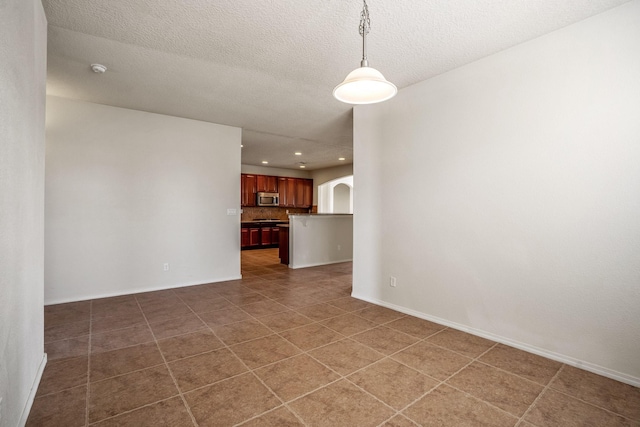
x: 364, y: 85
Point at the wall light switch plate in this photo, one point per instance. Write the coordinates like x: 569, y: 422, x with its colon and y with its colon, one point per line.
x: 232, y: 212
x: 392, y: 281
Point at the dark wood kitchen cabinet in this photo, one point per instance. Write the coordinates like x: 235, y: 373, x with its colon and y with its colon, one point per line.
x: 248, y: 189
x: 266, y: 183
x: 287, y: 190
x: 244, y: 237
x: 304, y: 193
x: 265, y: 236
x: 275, y: 235
x: 254, y: 236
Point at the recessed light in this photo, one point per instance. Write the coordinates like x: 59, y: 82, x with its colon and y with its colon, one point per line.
x: 341, y: 158
x: 241, y: 146
x: 302, y: 166
x: 264, y: 162
x: 298, y: 153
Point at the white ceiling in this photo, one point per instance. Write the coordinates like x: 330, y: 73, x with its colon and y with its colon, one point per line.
x: 269, y: 67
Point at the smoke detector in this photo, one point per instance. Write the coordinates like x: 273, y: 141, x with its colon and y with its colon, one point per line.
x: 98, y: 68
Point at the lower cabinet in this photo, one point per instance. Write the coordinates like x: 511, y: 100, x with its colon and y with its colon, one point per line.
x: 259, y: 236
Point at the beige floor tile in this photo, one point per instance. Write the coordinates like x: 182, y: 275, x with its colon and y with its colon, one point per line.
x: 123, y: 393
x: 320, y: 311
x: 121, y: 361
x: 282, y: 321
x: 205, y: 369
x: 171, y: 309
x: 559, y: 410
x: 436, y: 362
x: 66, y: 349
x: 346, y: 356
x: 203, y: 305
x: 224, y: 316
x: 311, y: 336
x: 245, y: 297
x: 380, y: 314
x: 393, y: 383
x: 264, y: 351
x: 236, y: 333
x: 67, y: 313
x: 177, y: 326
x: 264, y: 308
x: 527, y: 365
x: 115, y: 307
x: 447, y: 407
x: 285, y: 377
x: 186, y: 345
x: 110, y: 323
x: 400, y: 421
x: 499, y: 388
x: 600, y: 391
x: 120, y: 338
x: 461, y: 342
x: 350, y: 304
x: 414, y: 326
x: 230, y: 402
x: 167, y: 413
x: 65, y: 408
x: 62, y: 374
x: 65, y: 331
x: 349, y: 324
x: 385, y: 340
x: 341, y: 404
x: 280, y: 417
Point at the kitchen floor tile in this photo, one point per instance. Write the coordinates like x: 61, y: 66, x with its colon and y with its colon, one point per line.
x: 167, y: 413
x: 177, y: 326
x: 114, y: 307
x: 448, y: 407
x: 385, y: 340
x: 67, y: 313
x: 438, y: 363
x: 320, y: 311
x: 62, y: 374
x: 224, y: 316
x: 499, y: 388
x: 311, y: 336
x: 350, y: 304
x: 65, y: 408
x: 606, y: 393
x: 558, y: 409
x: 120, y: 338
x: 284, y: 377
x: 121, y: 361
x: 205, y: 369
x: 526, y: 365
x: 380, y: 314
x: 231, y: 401
x: 264, y: 308
x: 282, y: 321
x: 110, y: 323
x: 203, y: 305
x: 461, y: 342
x: 349, y: 324
x: 186, y: 345
x: 400, y: 421
x: 265, y: 350
x: 346, y: 356
x: 280, y: 417
x: 65, y: 349
x: 341, y: 404
x: 414, y: 326
x: 123, y: 393
x: 65, y: 331
x: 393, y: 383
x: 235, y: 333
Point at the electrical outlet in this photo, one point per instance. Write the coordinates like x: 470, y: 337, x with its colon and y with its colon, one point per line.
x: 165, y: 267
x: 392, y: 281
x: 339, y: 247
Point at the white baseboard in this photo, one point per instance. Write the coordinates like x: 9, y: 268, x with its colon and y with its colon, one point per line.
x: 139, y: 290
x: 316, y: 264
x: 581, y: 364
x: 34, y: 390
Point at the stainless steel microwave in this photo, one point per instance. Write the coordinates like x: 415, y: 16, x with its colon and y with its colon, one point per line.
x: 267, y: 199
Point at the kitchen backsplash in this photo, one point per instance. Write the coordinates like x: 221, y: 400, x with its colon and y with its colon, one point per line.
x: 250, y: 213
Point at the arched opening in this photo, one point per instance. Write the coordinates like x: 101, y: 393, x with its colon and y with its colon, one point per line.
x: 336, y: 196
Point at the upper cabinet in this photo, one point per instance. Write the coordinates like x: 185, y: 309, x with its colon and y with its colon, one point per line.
x: 268, y: 184
x: 248, y: 189
x: 294, y: 192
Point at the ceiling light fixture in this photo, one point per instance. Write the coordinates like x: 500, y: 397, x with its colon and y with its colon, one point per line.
x: 264, y: 162
x: 341, y: 158
x: 298, y: 153
x: 364, y: 85
x: 98, y: 68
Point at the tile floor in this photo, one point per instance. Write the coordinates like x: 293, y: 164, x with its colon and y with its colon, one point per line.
x: 291, y: 348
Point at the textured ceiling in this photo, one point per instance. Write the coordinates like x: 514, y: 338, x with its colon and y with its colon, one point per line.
x: 269, y: 67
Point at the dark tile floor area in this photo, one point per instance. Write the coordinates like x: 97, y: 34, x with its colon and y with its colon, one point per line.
x: 291, y: 348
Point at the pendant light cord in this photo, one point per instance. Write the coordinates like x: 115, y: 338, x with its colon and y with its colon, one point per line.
x: 365, y: 27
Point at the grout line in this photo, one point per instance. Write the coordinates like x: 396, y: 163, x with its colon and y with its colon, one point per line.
x: 544, y: 390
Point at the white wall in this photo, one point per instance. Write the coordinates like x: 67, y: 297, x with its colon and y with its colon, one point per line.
x: 505, y: 196
x: 127, y: 191
x: 322, y: 176
x: 320, y: 240
x: 23, y: 49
